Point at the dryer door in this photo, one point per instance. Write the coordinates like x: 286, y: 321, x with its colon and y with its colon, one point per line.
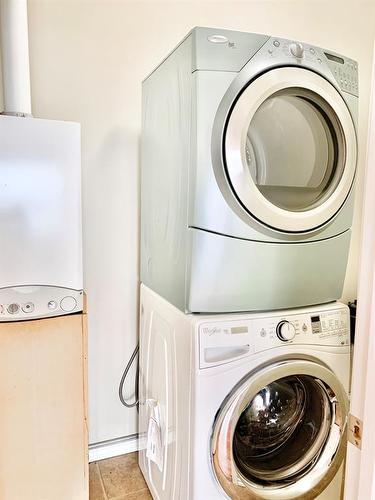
x: 281, y: 433
x: 290, y: 150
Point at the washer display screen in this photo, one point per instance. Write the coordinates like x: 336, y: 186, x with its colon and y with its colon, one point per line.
x: 239, y: 329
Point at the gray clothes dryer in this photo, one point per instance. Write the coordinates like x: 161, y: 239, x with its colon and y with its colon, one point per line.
x: 249, y: 151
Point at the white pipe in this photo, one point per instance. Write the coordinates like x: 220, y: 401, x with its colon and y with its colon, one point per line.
x: 15, y: 57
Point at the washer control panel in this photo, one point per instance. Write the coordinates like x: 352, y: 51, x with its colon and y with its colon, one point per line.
x: 32, y: 302
x: 344, y: 70
x: 222, y: 341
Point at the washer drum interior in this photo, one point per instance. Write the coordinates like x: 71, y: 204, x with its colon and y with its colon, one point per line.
x: 281, y: 432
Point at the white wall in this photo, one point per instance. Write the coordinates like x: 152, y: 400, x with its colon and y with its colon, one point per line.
x: 88, y: 59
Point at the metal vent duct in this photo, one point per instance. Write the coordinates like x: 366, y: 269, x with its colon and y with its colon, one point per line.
x: 15, y: 57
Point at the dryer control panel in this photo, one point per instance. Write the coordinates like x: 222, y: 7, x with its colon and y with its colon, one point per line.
x: 221, y: 341
x: 344, y: 69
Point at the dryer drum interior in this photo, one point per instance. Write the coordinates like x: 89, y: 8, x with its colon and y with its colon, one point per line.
x: 281, y: 432
x: 295, y: 149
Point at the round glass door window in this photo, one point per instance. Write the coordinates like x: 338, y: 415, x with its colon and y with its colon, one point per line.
x: 295, y: 150
x: 289, y: 150
x: 283, y: 430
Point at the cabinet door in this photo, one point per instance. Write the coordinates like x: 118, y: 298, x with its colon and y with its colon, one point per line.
x: 43, y: 428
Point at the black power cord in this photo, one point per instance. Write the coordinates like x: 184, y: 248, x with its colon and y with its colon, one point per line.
x: 353, y: 317
x: 123, y: 378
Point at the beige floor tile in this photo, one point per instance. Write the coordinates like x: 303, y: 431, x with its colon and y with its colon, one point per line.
x: 96, y: 488
x: 139, y: 495
x: 122, y: 476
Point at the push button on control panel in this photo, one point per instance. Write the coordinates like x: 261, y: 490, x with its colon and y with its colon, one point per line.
x: 28, y: 307
x: 52, y: 305
x: 68, y: 304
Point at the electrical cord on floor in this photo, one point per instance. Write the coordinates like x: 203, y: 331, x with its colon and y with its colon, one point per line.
x: 123, y: 378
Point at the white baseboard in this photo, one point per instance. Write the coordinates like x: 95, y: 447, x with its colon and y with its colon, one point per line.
x: 113, y: 448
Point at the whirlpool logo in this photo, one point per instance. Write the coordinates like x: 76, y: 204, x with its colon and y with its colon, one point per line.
x: 211, y: 330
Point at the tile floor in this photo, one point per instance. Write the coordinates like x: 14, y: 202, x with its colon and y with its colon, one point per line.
x: 118, y: 478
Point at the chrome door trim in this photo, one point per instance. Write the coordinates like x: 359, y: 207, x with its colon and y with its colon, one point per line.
x: 233, y: 177
x: 313, y: 482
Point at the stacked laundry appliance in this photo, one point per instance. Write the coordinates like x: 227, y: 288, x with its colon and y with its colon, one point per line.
x: 249, y: 151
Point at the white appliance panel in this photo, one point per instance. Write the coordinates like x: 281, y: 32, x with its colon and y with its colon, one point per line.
x: 40, y: 203
x: 40, y: 208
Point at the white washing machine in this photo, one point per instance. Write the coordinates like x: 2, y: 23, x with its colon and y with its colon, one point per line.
x: 243, y: 406
x: 249, y: 154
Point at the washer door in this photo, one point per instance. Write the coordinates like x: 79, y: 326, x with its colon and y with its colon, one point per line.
x: 281, y: 433
x: 290, y: 150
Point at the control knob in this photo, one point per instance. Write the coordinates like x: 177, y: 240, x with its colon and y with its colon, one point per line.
x: 285, y: 331
x: 296, y: 49
x: 13, y: 308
